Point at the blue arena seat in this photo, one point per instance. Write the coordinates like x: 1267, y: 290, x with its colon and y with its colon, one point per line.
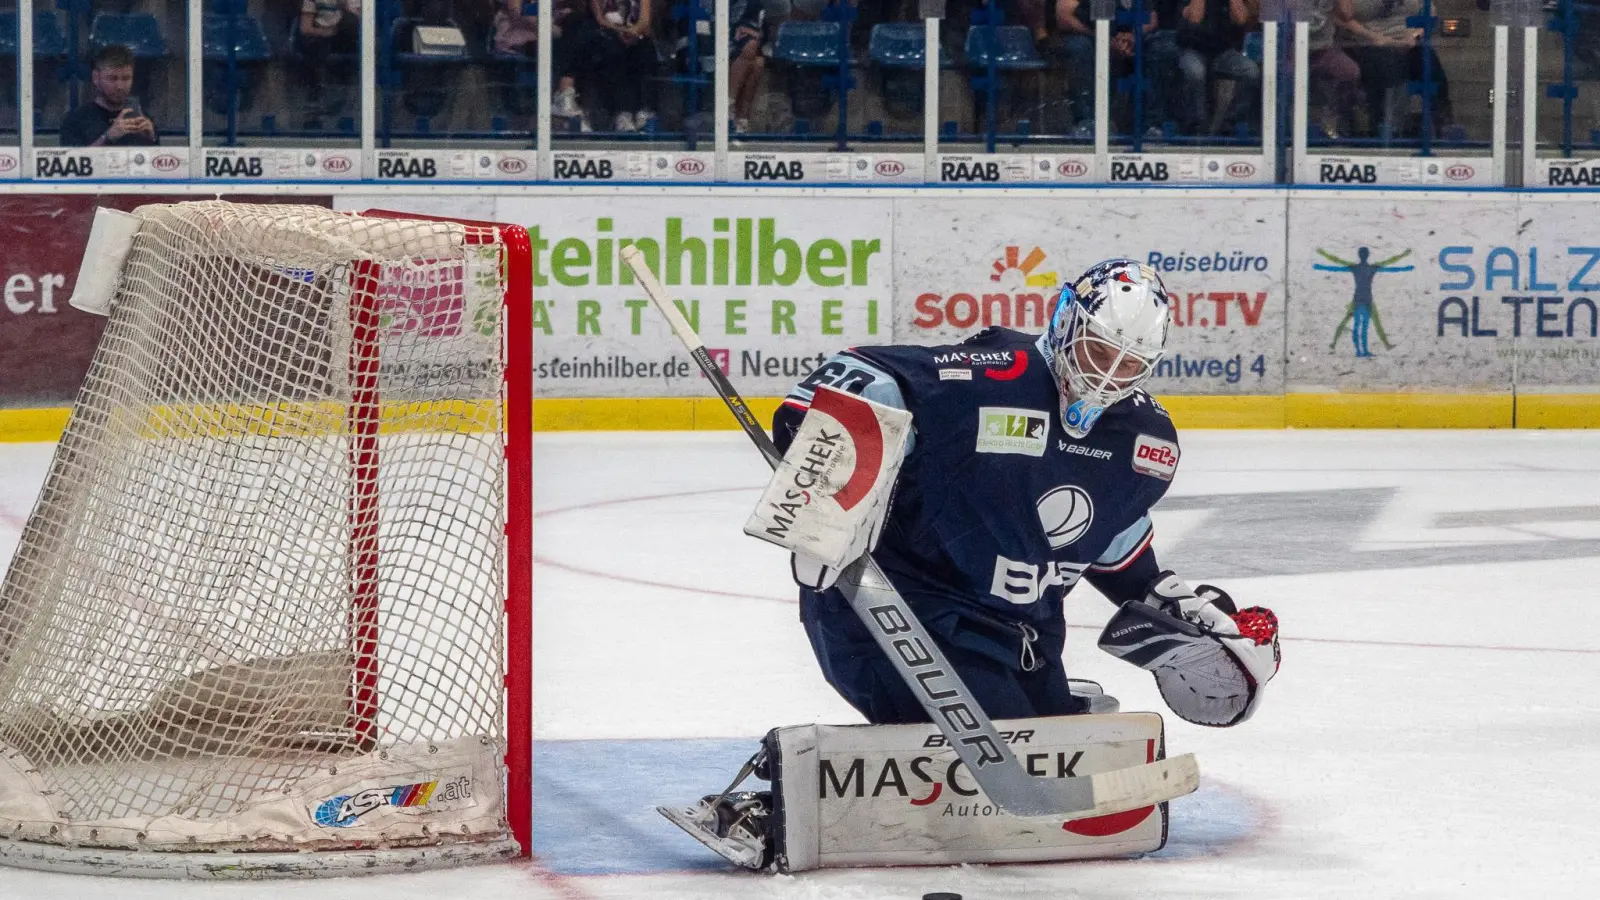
x: 244, y: 33
x: 817, y: 51
x: 899, y: 45
x: 1010, y: 46
x: 139, y: 32
x: 815, y: 44
x: 1010, y: 50
x: 426, y: 80
x: 514, y: 78
x: 48, y: 41
x: 896, y: 49
x: 234, y: 46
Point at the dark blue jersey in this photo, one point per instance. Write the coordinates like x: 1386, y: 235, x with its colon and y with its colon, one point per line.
x: 997, y: 510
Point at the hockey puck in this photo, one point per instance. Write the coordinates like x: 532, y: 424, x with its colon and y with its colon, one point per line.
x: 941, y: 895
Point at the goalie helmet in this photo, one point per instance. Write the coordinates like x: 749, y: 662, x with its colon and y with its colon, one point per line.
x: 1108, y: 332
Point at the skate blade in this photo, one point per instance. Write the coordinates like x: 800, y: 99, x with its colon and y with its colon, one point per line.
x: 739, y: 854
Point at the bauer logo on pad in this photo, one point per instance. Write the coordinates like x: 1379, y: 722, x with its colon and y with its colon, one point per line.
x: 1155, y: 457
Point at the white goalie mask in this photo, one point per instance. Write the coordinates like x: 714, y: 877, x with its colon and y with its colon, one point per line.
x: 1107, y: 334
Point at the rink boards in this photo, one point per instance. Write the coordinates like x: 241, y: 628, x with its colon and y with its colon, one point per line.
x: 1297, y: 308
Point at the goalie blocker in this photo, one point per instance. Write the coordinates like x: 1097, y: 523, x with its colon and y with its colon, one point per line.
x: 828, y: 497
x: 890, y: 795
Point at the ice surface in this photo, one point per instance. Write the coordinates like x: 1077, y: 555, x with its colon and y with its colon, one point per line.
x: 1426, y: 738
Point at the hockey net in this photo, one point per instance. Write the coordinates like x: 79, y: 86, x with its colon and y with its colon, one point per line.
x: 261, y: 604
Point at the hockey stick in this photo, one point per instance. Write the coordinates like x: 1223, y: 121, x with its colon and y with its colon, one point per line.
x: 922, y: 664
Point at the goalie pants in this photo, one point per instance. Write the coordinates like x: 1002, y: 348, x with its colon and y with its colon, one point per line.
x: 985, y: 649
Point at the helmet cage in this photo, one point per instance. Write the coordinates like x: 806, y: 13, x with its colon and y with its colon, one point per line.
x: 1090, y: 362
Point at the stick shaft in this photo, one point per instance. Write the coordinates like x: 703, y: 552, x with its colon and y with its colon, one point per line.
x: 697, y: 351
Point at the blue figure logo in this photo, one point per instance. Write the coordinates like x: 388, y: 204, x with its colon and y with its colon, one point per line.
x: 1362, y: 313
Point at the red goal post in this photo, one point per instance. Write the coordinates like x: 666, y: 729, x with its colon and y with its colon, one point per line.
x: 517, y: 336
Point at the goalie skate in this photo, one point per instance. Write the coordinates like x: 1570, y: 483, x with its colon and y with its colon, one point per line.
x: 733, y: 825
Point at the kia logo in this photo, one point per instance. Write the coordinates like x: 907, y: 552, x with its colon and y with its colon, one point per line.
x: 891, y: 167
x: 512, y: 165
x: 337, y: 164
x: 7, y: 163
x: 1458, y: 172
x: 1241, y: 170
x: 689, y: 165
x: 166, y: 162
x: 1072, y: 168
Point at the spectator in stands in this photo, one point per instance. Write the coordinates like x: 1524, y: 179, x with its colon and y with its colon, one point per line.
x: 476, y: 19
x: 1074, y: 18
x: 1334, y: 77
x: 112, y: 118
x: 1585, y: 39
x: 516, y: 28
x: 1390, y: 53
x: 1076, y: 29
x: 1030, y: 13
x: 1211, y: 46
x: 572, y: 36
x: 627, y: 61
x: 747, y: 66
x: 328, y: 28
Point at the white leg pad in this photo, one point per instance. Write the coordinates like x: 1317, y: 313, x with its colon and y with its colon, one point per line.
x: 898, y: 795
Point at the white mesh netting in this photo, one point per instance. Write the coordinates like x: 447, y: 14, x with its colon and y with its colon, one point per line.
x: 259, y: 604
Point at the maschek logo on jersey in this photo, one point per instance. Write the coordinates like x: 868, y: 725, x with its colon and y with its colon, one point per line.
x: 1066, y: 513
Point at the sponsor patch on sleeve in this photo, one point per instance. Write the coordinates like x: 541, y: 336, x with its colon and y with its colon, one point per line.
x: 1155, y: 457
x: 1005, y: 430
x: 955, y: 374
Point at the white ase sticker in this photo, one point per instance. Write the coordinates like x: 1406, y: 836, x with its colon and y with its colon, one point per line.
x: 428, y: 793
x: 1155, y: 457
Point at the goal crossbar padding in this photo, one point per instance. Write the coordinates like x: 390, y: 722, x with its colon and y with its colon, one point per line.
x: 100, y: 271
x: 260, y: 602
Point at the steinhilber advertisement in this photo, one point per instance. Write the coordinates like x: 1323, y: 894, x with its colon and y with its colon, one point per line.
x: 962, y: 265
x: 772, y: 288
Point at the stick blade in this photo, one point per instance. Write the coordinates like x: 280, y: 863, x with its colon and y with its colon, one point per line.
x: 1138, y: 786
